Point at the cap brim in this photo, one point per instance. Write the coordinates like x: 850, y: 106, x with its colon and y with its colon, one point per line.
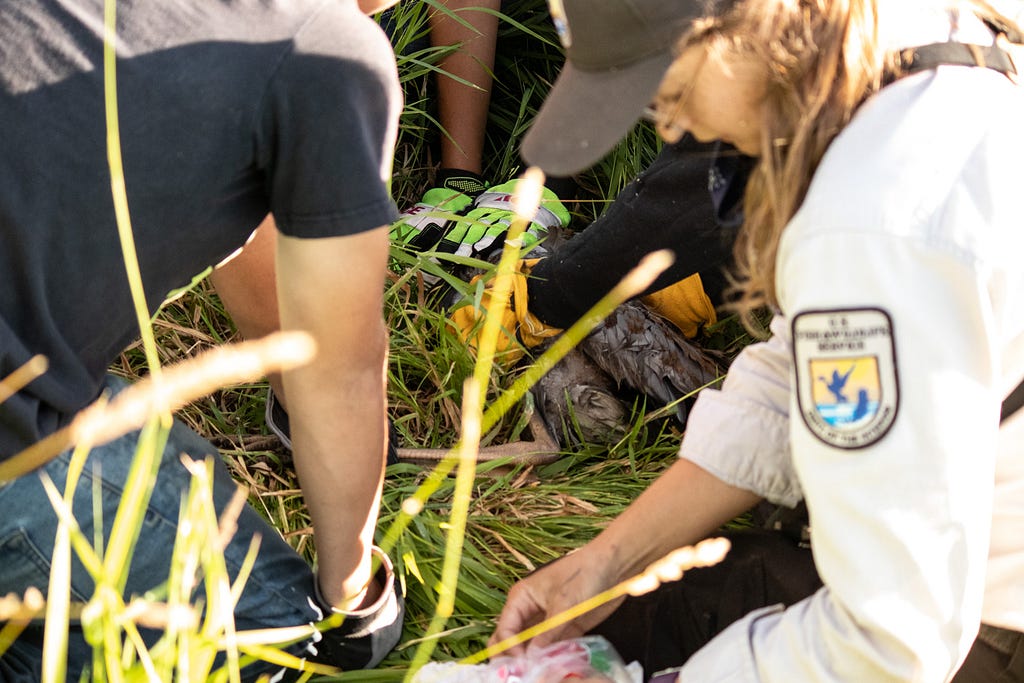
x: 588, y: 112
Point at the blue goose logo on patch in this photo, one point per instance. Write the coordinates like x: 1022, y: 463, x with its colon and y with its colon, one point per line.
x: 846, y: 391
x: 847, y: 386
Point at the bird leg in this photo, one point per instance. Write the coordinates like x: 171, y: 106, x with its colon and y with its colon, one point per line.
x: 540, y: 451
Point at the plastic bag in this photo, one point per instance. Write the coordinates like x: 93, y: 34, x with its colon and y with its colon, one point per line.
x: 589, y: 659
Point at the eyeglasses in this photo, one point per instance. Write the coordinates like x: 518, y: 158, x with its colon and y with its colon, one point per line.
x: 666, y: 118
x: 665, y: 114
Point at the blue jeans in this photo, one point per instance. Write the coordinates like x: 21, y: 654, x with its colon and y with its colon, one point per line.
x: 278, y: 593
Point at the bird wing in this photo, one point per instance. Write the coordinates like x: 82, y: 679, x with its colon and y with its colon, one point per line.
x: 576, y: 394
x: 640, y: 349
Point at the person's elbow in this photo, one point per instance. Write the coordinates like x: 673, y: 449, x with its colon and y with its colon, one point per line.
x: 898, y: 643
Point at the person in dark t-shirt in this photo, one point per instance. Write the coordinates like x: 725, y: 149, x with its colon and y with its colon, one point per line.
x: 229, y: 112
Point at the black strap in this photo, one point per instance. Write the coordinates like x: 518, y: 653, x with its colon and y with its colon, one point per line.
x: 1012, y: 403
x: 924, y: 57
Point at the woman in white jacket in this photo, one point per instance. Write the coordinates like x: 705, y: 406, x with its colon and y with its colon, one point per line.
x: 885, y: 230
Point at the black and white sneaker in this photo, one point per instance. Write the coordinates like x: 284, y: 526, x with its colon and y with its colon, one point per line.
x: 367, y: 635
x: 277, y: 422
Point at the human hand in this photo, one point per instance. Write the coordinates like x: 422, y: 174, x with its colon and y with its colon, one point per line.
x: 485, y: 225
x: 424, y: 224
x: 516, y: 319
x: 552, y: 590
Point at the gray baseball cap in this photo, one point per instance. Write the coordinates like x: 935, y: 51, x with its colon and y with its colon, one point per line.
x: 616, y: 54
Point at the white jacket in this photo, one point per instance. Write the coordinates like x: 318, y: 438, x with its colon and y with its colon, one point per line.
x: 903, y: 278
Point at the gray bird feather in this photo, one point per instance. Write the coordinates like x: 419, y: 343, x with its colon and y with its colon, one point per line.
x: 632, y: 348
x: 641, y: 350
x: 578, y: 402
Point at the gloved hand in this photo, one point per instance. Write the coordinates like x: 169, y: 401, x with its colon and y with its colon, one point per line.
x: 483, y: 230
x: 423, y: 225
x: 516, y: 320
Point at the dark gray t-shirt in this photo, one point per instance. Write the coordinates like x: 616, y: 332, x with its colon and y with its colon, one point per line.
x: 228, y: 109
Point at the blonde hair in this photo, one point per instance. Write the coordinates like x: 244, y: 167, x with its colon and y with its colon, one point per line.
x: 822, y: 59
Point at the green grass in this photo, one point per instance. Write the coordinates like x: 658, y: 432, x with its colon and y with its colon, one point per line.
x: 518, y: 518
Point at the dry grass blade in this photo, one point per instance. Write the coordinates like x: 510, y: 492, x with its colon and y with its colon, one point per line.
x: 160, y: 615
x: 16, y: 613
x: 672, y: 566
x: 471, y: 412
x: 13, y: 608
x: 526, y: 200
x: 178, y: 385
x: 18, y: 379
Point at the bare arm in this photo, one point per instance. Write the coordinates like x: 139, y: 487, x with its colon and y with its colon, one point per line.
x: 463, y: 108
x: 333, y: 288
x: 245, y: 284
x: 682, y: 507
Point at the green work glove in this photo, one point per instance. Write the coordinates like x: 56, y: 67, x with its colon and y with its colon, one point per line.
x: 516, y: 321
x: 482, y: 231
x: 423, y: 225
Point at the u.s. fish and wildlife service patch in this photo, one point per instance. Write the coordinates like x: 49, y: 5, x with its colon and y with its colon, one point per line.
x: 847, y: 384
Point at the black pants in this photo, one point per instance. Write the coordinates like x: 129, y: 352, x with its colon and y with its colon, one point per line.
x: 997, y: 656
x: 662, y: 629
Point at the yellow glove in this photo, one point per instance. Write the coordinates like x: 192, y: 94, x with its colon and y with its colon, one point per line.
x: 516, y: 318
x: 685, y: 305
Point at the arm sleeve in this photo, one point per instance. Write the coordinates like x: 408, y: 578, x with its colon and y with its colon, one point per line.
x: 329, y: 128
x: 755, y: 455
x: 900, y: 528
x: 668, y: 206
x: 917, y: 246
